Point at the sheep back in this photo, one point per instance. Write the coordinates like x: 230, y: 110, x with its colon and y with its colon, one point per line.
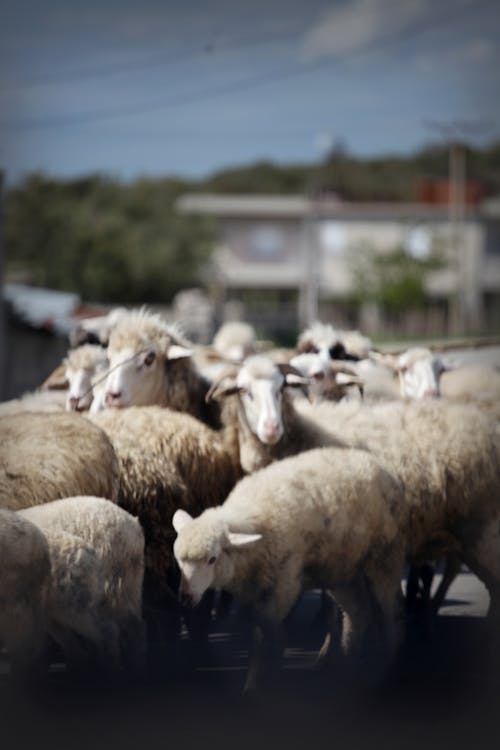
x: 115, y: 536
x: 44, y: 457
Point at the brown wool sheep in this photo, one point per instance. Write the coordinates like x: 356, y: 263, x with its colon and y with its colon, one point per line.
x: 44, y: 457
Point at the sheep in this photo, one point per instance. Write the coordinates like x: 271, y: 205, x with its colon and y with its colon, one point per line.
x: 78, y: 612
x: 96, y: 329
x: 40, y: 401
x: 24, y: 584
x: 235, y: 340
x: 150, y: 363
x: 168, y: 460
x: 44, y: 457
x: 79, y: 376
x: 83, y: 367
x: 116, y: 540
x: 419, y: 371
x: 427, y: 445
x: 333, y: 344
x: 328, y: 380
x: 322, y: 518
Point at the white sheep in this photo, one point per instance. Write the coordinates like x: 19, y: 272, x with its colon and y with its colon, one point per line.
x: 49, y: 456
x: 427, y: 445
x: 323, y: 518
x: 116, y: 540
x: 84, y: 368
x: 24, y: 585
x: 235, y: 340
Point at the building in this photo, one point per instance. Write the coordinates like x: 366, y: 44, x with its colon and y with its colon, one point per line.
x: 286, y: 260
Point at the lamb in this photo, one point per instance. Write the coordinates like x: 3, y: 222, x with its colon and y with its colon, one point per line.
x: 322, y: 518
x: 49, y: 456
x: 113, y: 549
x: 24, y: 584
x: 451, y: 482
x: 167, y: 461
x: 151, y: 364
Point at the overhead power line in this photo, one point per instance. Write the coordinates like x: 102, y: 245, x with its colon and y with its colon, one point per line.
x: 239, y: 86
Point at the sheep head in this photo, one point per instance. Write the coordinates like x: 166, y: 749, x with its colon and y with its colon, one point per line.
x: 141, y: 349
x: 259, y: 384
x: 201, y: 550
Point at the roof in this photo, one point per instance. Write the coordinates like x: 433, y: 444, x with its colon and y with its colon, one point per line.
x: 299, y: 207
x: 47, y: 309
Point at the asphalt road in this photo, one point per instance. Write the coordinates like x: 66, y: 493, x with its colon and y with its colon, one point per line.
x: 442, y: 692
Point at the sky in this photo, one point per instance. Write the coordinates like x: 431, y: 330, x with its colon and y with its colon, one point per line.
x: 186, y: 88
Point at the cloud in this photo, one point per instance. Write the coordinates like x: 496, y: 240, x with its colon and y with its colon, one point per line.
x: 353, y: 25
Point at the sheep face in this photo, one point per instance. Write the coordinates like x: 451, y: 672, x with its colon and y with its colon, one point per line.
x: 419, y: 375
x: 202, y: 550
x: 261, y: 400
x: 137, y: 377
x: 84, y: 366
x: 79, y: 395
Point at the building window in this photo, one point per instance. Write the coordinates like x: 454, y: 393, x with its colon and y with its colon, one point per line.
x: 267, y: 242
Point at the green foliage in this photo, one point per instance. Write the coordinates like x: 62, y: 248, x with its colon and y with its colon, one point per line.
x: 106, y: 241
x: 115, y: 242
x: 393, y: 280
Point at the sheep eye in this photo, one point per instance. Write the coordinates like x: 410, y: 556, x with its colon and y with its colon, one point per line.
x: 149, y: 358
x: 212, y: 560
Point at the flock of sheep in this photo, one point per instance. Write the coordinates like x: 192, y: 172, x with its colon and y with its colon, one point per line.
x: 147, y: 473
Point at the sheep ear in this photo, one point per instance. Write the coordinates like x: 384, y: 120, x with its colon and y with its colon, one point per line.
x: 181, y: 519
x: 238, y: 540
x: 219, y: 390
x: 388, y: 360
x: 175, y: 351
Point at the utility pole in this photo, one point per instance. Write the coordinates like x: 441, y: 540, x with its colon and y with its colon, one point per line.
x: 3, y: 347
x: 309, y: 291
x: 465, y: 302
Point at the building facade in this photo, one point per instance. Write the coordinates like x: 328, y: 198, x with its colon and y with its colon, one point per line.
x: 287, y: 260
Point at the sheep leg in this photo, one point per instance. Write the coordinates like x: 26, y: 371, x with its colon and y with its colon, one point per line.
x: 266, y: 654
x: 483, y: 558
x: 451, y: 570
x: 27, y: 647
x: 355, y: 602
x: 385, y: 593
x: 89, y: 640
x: 333, y: 638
